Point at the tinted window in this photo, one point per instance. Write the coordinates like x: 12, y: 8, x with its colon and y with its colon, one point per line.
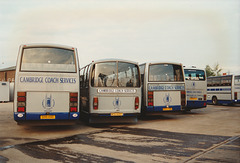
x: 165, y: 72
x: 142, y: 68
x: 237, y: 80
x: 216, y: 81
x: 219, y: 81
x: 48, y: 59
x: 209, y: 82
x: 81, y: 77
x: 113, y: 74
x: 226, y: 81
x: 104, y: 74
x: 128, y: 75
x: 191, y: 74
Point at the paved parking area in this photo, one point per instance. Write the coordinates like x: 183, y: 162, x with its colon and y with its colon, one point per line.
x: 204, y: 135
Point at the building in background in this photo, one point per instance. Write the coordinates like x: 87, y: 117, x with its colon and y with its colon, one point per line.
x: 8, y: 74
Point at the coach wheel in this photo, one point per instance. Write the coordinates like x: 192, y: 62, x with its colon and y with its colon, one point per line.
x: 214, y: 100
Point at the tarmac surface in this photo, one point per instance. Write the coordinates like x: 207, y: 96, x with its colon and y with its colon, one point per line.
x: 204, y: 135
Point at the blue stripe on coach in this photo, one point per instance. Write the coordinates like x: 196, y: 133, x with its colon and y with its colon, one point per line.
x: 196, y: 104
x: 36, y: 116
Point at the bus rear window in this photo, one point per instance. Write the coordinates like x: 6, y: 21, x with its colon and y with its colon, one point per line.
x: 165, y: 72
x: 237, y: 80
x: 48, y: 60
x: 128, y: 75
x: 191, y: 74
x: 115, y: 74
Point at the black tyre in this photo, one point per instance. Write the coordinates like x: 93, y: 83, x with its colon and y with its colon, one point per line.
x: 214, y: 100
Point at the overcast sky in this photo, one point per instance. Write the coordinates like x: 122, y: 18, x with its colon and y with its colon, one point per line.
x: 192, y: 32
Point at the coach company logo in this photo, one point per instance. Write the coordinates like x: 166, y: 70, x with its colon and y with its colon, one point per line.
x: 193, y: 84
x: 48, y: 103
x: 167, y: 99
x: 116, y: 103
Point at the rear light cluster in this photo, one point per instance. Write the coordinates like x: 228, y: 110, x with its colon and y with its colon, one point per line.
x: 95, y: 103
x: 136, y: 103
x: 205, y: 97
x: 73, y: 102
x: 183, y: 98
x: 235, y: 96
x: 21, y: 101
x: 150, y: 98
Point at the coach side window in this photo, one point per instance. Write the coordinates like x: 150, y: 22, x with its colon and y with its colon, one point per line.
x: 237, y: 80
x: 87, y: 76
x: 84, y: 76
x: 93, y: 76
x: 226, y: 81
x: 209, y: 82
x: 81, y: 77
x: 142, y: 68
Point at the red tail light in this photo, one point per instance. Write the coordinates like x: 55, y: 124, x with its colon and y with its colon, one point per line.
x: 235, y: 96
x: 73, y: 94
x: 183, y: 98
x: 21, y: 109
x: 73, y: 99
x: 150, y: 98
x: 21, y: 99
x: 205, y: 97
x: 73, y: 104
x: 73, y: 109
x: 95, y: 103
x: 136, y: 103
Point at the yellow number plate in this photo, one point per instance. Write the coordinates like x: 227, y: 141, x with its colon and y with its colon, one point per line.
x: 193, y: 98
x: 167, y: 109
x: 47, y: 117
x: 116, y: 114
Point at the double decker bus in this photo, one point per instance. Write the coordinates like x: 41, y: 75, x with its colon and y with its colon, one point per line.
x: 46, y: 85
x: 163, y: 87
x: 110, y: 91
x: 196, y: 88
x: 223, y: 89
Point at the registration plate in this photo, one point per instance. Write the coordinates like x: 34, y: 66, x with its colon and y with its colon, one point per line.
x: 47, y: 117
x: 116, y: 114
x: 167, y: 109
x: 193, y: 98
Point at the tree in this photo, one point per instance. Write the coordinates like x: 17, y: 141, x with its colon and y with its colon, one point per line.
x: 209, y: 71
x: 216, y: 71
